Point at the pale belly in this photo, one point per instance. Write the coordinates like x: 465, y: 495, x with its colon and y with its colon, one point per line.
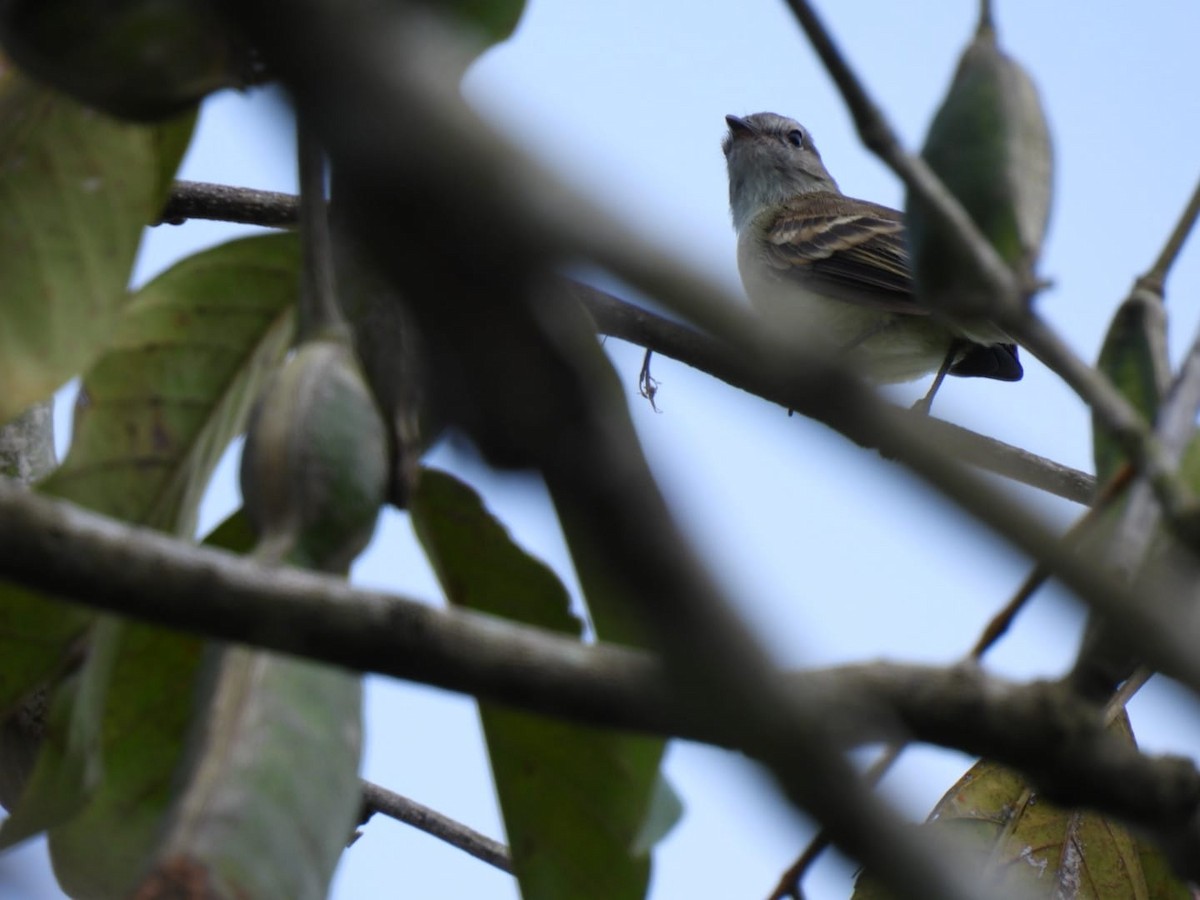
x: 883, y: 346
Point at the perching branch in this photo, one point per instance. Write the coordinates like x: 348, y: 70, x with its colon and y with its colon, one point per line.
x: 617, y: 318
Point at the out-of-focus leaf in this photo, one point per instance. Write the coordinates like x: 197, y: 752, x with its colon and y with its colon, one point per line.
x: 35, y: 636
x: 1019, y: 845
x: 666, y: 809
x: 495, y: 20
x: 1134, y: 357
x: 272, y: 791
x: 172, y: 139
x: 152, y: 699
x: 230, y: 765
x: 314, y: 470
x: 990, y: 145
x: 189, y: 356
x: 156, y: 413
x: 77, y: 190
x: 574, y: 799
x: 139, y: 59
x: 69, y: 766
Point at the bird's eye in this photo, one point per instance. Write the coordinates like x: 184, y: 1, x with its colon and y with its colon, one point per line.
x: 795, y: 137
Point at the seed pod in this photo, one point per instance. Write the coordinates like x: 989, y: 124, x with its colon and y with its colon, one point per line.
x: 315, y: 466
x: 137, y: 59
x: 990, y: 145
x: 1134, y: 357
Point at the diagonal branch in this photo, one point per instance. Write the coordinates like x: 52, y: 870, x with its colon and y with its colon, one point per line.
x: 377, y: 799
x: 616, y: 318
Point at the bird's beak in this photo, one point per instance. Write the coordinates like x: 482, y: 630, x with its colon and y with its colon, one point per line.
x: 739, y: 127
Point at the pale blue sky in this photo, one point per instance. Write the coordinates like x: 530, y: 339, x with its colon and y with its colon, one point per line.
x: 831, y: 551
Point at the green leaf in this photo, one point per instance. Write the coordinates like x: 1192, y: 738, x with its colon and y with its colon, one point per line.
x: 36, y: 634
x: 140, y: 59
x: 574, y: 799
x: 78, y: 188
x: 69, y: 766
x: 152, y: 699
x: 172, y: 139
x: 235, y: 766
x: 272, y: 791
x: 175, y: 387
x: 156, y: 412
x: 666, y: 809
x: 1134, y: 357
x: 990, y: 145
x: 73, y: 212
x: 495, y: 20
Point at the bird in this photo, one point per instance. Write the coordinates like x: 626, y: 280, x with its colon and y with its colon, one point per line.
x: 835, y: 269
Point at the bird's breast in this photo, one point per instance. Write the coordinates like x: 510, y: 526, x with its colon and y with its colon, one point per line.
x: 886, y: 346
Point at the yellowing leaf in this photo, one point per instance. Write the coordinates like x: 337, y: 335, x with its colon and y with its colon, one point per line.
x: 1019, y: 845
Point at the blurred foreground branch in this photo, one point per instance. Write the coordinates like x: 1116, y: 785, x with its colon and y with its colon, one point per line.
x: 1041, y: 729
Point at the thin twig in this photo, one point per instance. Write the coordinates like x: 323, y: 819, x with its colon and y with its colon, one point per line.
x: 224, y: 203
x: 1126, y: 692
x: 1157, y: 276
x: 377, y: 799
x: 790, y: 883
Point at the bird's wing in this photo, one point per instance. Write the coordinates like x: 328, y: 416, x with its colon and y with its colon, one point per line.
x: 855, y: 251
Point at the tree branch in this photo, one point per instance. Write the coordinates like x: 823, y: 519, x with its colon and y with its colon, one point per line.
x: 223, y: 203
x: 378, y: 799
x: 1041, y: 729
x: 616, y: 318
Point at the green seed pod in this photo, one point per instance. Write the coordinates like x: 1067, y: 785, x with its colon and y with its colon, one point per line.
x: 990, y: 145
x: 1134, y: 357
x: 137, y: 59
x: 315, y: 466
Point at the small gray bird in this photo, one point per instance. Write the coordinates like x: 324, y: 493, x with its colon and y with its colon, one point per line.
x: 836, y: 269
